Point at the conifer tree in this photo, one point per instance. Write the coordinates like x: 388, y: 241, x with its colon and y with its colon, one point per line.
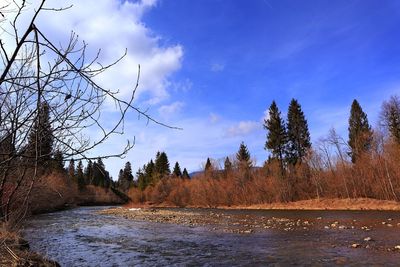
x: 71, y: 169
x: 128, y: 172
x: 298, y: 136
x: 185, y: 174
x: 58, y: 160
x: 276, y: 134
x: 40, y: 140
x: 177, y: 170
x: 88, y: 173
x: 142, y: 183
x: 149, y: 170
x: 120, y: 178
x: 227, y: 165
x: 243, y: 157
x: 79, y: 175
x: 208, y: 166
x: 360, y: 133
x: 390, y: 116
x: 162, y: 165
x: 125, y: 177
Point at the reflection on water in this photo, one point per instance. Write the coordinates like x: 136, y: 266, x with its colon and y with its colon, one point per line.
x: 80, y: 237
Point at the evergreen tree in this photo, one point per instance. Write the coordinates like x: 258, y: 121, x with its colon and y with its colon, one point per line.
x: 185, y: 174
x: 360, y: 133
x: 227, y: 165
x: 58, y: 160
x: 125, y: 177
x: 79, y: 175
x: 276, y: 136
x: 120, y: 178
x: 40, y: 140
x: 71, y: 169
x: 208, y: 166
x: 128, y: 176
x: 297, y: 133
x: 390, y: 116
x: 142, y: 183
x: 101, y: 177
x: 243, y: 157
x: 7, y: 148
x: 162, y: 165
x: 149, y: 171
x: 88, y: 173
x: 177, y: 170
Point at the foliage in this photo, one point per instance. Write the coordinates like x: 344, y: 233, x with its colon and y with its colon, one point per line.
x: 360, y: 133
x: 390, y: 117
x: 276, y: 136
x: 177, y: 170
x: 243, y: 157
x: 298, y: 136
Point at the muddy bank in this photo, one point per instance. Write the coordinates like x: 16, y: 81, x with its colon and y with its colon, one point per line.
x: 368, y: 232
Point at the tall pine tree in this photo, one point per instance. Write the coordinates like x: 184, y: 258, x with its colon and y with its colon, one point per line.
x: 243, y: 157
x: 360, y: 133
x: 40, y: 141
x: 79, y: 175
x: 298, y: 136
x: 227, y: 165
x: 390, y: 116
x: 177, y: 170
x: 276, y: 134
x: 208, y: 166
x: 71, y: 169
x: 162, y: 165
x: 185, y: 174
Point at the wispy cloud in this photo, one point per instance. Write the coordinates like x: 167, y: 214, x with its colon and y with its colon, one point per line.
x: 167, y: 111
x: 214, y: 118
x: 217, y: 67
x: 243, y: 128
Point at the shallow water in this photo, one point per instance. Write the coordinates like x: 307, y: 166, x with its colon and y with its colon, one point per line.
x: 80, y: 237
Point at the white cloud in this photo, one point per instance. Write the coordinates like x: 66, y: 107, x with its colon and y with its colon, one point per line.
x: 214, y: 118
x: 217, y: 67
x: 114, y: 26
x: 243, y: 128
x: 170, y: 110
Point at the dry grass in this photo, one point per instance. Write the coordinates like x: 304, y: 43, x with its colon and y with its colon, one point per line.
x: 14, y: 251
x: 328, y: 204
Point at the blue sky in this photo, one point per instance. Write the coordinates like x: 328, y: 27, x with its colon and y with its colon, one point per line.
x: 213, y: 67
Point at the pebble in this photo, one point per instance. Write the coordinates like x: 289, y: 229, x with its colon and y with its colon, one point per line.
x: 368, y: 239
x: 355, y: 245
x: 397, y: 247
x: 389, y: 225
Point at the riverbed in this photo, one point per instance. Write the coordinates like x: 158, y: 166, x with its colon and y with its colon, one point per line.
x: 83, y: 237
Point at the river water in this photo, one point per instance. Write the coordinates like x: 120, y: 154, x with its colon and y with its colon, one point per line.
x: 81, y: 237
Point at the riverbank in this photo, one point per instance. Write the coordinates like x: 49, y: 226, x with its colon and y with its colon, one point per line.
x: 14, y: 251
x: 311, y: 204
x: 328, y: 204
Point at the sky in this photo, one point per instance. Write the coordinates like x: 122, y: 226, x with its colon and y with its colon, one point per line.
x: 213, y: 67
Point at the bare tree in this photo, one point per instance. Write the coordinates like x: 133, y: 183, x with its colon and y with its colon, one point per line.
x: 37, y: 71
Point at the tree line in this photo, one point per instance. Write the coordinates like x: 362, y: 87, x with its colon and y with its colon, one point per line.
x: 363, y: 165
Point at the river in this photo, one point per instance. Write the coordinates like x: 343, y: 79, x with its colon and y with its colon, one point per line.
x: 81, y: 237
